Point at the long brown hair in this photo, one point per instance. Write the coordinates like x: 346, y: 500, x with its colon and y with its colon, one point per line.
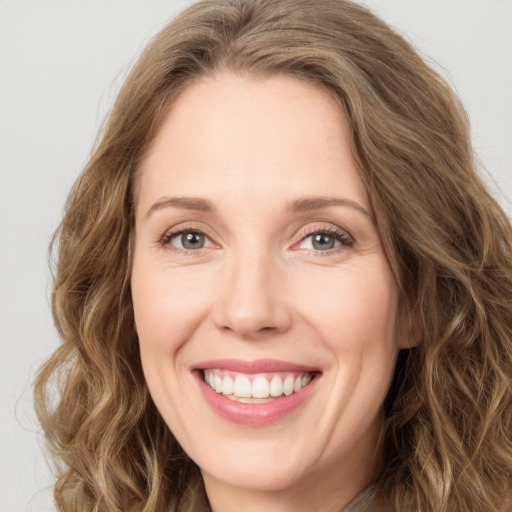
x: 447, y: 441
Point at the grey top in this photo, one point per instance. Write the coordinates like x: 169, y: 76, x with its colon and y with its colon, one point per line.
x: 362, y: 502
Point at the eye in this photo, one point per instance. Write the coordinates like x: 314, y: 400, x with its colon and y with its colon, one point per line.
x: 325, y: 241
x: 320, y: 242
x: 187, y: 240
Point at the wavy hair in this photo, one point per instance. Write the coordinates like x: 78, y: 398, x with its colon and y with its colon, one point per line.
x: 447, y: 440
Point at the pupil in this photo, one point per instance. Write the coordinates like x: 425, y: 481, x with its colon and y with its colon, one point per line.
x: 192, y: 240
x: 323, y: 241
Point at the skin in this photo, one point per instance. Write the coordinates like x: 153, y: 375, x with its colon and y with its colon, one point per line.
x: 260, y: 289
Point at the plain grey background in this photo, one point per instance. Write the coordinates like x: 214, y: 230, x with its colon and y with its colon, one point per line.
x: 61, y: 63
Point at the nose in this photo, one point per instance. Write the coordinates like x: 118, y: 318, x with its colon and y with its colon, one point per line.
x: 251, y: 300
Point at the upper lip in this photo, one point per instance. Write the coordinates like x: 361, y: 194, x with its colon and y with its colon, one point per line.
x: 256, y: 366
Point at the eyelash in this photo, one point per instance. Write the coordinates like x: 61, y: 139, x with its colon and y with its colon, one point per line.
x: 346, y: 241
x: 166, y: 239
x: 343, y: 237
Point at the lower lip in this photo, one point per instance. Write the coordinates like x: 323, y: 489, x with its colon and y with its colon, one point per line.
x: 254, y: 415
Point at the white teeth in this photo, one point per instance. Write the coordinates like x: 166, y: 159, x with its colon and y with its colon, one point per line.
x: 288, y: 385
x: 251, y: 400
x: 276, y: 386
x: 227, y: 385
x: 218, y: 384
x: 263, y: 388
x: 242, y: 387
x: 260, y: 387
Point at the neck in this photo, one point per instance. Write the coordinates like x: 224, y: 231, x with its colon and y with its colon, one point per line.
x: 329, y: 493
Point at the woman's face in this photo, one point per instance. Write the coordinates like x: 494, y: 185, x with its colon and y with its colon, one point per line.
x: 257, y: 268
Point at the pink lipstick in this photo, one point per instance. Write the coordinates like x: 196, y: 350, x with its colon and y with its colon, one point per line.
x: 255, y: 393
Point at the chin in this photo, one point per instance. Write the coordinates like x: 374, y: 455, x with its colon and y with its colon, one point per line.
x: 267, y: 476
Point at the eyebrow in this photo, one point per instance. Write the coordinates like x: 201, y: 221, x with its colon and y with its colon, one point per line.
x: 298, y: 205
x: 318, y: 202
x: 187, y: 203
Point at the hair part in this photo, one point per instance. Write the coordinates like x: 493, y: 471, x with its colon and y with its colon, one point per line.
x: 447, y: 439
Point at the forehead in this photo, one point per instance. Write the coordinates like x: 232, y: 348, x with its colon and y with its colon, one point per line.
x: 278, y: 131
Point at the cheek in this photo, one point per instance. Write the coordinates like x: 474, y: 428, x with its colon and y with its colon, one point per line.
x: 355, y: 311
x: 168, y: 305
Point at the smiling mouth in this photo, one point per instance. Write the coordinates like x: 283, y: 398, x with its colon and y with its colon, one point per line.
x: 256, y: 388
x: 257, y: 393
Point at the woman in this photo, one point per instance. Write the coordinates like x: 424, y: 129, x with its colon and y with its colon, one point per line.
x: 280, y: 283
